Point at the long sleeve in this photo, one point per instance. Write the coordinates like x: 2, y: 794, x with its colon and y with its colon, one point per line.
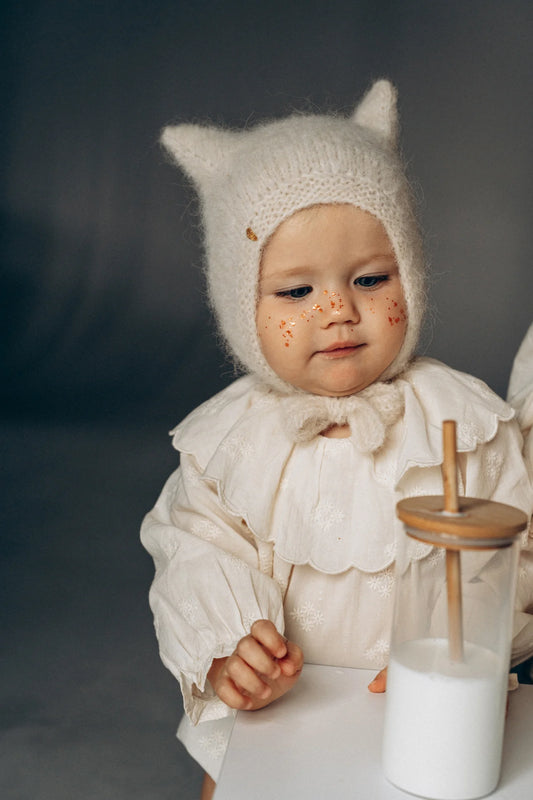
x: 211, y: 584
x: 520, y: 394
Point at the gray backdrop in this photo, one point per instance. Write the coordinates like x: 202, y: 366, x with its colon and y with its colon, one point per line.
x: 106, y: 341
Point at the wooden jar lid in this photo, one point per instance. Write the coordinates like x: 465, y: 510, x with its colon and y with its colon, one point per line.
x: 478, y: 523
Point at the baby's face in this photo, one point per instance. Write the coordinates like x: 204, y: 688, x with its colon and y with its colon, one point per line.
x: 331, y: 314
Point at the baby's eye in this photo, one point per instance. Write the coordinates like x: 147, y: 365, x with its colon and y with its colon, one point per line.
x: 295, y: 294
x: 370, y: 281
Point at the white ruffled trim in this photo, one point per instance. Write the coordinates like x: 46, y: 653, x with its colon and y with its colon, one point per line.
x: 240, y: 430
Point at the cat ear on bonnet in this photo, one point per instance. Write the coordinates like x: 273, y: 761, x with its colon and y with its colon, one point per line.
x: 204, y: 150
x: 378, y: 112
x: 200, y: 150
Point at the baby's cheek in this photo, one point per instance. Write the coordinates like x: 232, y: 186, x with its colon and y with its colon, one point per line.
x: 281, y: 329
x: 395, y: 312
x: 288, y: 327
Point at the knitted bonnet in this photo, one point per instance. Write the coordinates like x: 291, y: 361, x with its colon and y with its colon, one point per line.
x: 250, y: 181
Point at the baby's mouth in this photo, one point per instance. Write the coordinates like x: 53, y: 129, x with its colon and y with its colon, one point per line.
x: 340, y: 349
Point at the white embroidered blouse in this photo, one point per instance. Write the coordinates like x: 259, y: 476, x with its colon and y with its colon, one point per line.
x: 253, y: 525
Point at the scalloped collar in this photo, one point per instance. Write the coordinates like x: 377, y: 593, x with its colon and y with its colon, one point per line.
x: 241, y: 446
x: 432, y: 393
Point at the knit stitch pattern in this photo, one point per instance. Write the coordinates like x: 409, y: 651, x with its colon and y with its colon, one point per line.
x: 250, y: 181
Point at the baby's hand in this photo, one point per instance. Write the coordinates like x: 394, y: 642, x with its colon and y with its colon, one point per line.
x: 379, y: 684
x: 263, y: 667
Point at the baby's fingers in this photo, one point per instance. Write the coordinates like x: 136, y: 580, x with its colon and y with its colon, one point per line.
x: 254, y: 655
x: 241, y: 686
x: 232, y: 696
x: 292, y: 662
x: 266, y: 633
x: 246, y: 679
x: 379, y: 684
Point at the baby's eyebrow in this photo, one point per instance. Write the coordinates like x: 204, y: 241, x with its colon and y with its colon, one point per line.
x: 290, y: 272
x: 310, y: 273
x: 371, y: 257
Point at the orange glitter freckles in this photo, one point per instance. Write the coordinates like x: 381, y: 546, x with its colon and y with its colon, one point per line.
x: 401, y: 318
x: 336, y: 305
x: 285, y: 325
x: 287, y: 334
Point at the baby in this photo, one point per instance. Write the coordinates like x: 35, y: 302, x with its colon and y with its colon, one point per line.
x: 275, y: 540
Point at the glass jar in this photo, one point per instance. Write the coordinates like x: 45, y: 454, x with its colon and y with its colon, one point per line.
x: 450, y: 647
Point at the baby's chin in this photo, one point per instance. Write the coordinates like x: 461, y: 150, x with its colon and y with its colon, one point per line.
x: 333, y: 391
x: 344, y: 383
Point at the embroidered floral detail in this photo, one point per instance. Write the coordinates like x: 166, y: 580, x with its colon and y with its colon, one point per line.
x: 282, y: 581
x: 417, y: 550
x: 248, y: 620
x: 382, y: 582
x: 326, y: 516
x: 492, y: 465
x: 380, y: 649
x: 307, y: 616
x: 169, y: 544
x: 188, y: 610
x: 436, y: 556
x: 237, y: 446
x: 214, y: 744
x: 205, y: 529
x: 470, y: 433
x: 190, y: 475
x: 215, y: 710
x: 390, y: 550
x: 417, y: 491
x: 386, y: 475
x: 479, y: 387
x: 236, y: 563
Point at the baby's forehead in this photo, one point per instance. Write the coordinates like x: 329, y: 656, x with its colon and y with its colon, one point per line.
x: 326, y: 232
x: 329, y: 215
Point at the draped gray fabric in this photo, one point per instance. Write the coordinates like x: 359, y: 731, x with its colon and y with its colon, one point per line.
x: 105, y: 341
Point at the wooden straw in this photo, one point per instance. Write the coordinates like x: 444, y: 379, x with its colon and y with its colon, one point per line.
x: 453, y: 557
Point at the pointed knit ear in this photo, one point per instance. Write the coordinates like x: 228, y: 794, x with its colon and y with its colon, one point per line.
x: 199, y: 150
x: 377, y: 111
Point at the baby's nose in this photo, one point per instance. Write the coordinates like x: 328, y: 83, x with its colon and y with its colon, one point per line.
x: 339, y: 307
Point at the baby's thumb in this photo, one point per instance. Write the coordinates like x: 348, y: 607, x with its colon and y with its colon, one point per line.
x: 292, y: 662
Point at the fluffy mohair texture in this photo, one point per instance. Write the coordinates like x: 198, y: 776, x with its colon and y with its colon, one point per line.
x: 250, y: 181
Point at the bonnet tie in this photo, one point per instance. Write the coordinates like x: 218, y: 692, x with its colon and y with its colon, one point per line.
x: 370, y: 414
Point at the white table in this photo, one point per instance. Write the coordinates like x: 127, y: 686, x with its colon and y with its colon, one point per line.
x: 323, y: 740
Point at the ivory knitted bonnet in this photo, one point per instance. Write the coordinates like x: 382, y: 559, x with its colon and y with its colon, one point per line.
x: 250, y: 181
